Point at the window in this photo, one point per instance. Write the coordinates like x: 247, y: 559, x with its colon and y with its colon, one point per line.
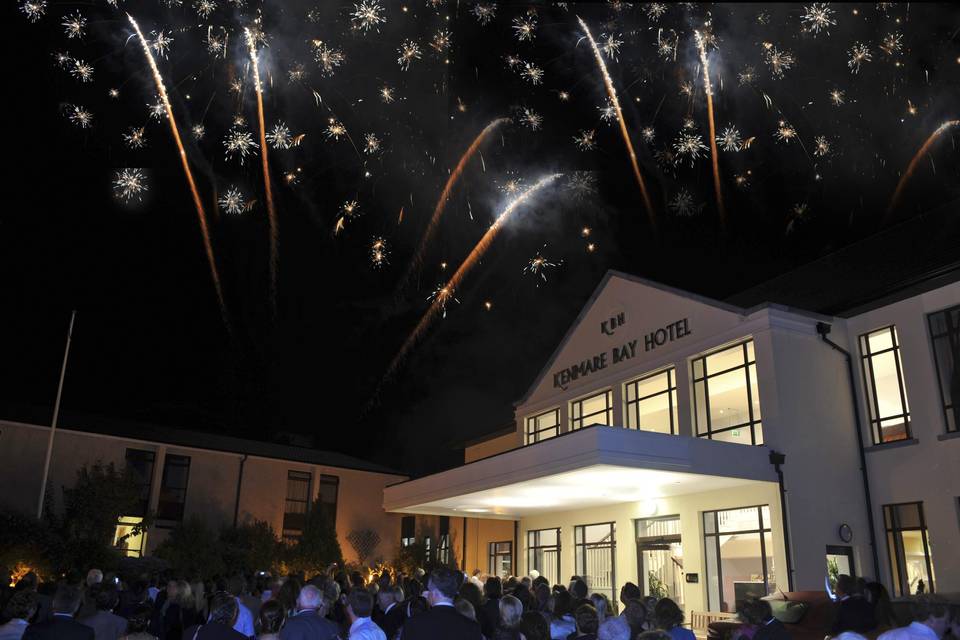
x: 739, y: 556
x: 945, y: 334
x: 911, y: 565
x: 651, y: 402
x: 595, y: 551
x: 883, y: 378
x: 173, y: 489
x: 443, y: 542
x: 501, y: 559
x: 660, y: 557
x: 297, y: 504
x: 408, y: 531
x: 726, y: 396
x: 130, y: 545
x: 839, y: 562
x: 428, y: 549
x: 140, y: 465
x: 596, y: 409
x: 543, y: 425
x: 543, y: 553
x: 329, y: 487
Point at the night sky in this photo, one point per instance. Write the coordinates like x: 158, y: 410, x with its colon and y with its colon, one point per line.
x: 810, y: 171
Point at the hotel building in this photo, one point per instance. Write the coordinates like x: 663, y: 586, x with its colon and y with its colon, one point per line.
x: 712, y: 450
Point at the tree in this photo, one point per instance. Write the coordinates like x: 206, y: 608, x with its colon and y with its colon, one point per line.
x: 249, y: 547
x: 317, y: 547
x: 192, y: 550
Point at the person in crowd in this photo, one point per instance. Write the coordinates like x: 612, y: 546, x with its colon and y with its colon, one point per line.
x: 18, y: 610
x: 442, y: 620
x: 541, y: 597
x: 601, y: 603
x: 308, y: 621
x: 508, y: 620
x: 635, y: 615
x: 288, y: 595
x: 588, y: 623
x: 931, y: 619
x: 562, y: 623
x: 390, y: 599
x: 465, y: 608
x: 219, y: 625
x: 92, y: 582
x: 152, y: 590
x: 132, y: 598
x: 106, y: 625
x: 359, y: 609
x: 668, y: 616
x: 244, y: 624
x: 270, y: 620
x: 468, y: 592
x: 61, y: 626
x: 768, y: 627
x: 629, y: 592
x: 178, y: 610
x: 534, y: 626
x: 138, y: 623
x: 853, y: 612
x: 250, y: 595
x: 877, y: 595
x: 578, y: 588
x: 31, y: 582
x: 614, y: 628
x: 475, y: 578
x: 489, y: 613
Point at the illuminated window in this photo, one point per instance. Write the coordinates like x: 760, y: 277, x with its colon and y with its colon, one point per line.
x: 173, y: 489
x: 139, y: 464
x: 543, y: 553
x: 297, y: 504
x: 738, y: 549
x: 596, y: 409
x: 329, y: 488
x: 543, y: 425
x: 945, y: 334
x: 595, y: 553
x: 651, y: 402
x: 443, y: 542
x: 883, y: 379
x: 501, y: 559
x: 126, y: 541
x: 726, y: 396
x: 408, y: 531
x: 911, y: 565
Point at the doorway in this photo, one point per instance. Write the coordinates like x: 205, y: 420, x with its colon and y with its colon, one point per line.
x: 660, y: 558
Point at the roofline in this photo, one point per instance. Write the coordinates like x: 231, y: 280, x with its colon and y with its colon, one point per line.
x: 499, y: 433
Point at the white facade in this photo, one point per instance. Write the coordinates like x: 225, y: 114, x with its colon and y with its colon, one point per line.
x: 795, y: 400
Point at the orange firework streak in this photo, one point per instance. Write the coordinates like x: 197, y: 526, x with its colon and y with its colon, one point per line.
x: 265, y: 163
x: 445, y: 195
x: 475, y: 255
x: 623, y: 125
x: 708, y: 89
x: 895, y: 200
x: 205, y: 232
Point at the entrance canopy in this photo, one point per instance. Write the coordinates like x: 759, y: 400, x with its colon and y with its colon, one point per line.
x: 591, y: 467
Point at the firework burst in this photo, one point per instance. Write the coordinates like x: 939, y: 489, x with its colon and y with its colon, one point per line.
x: 386, y: 94
x: 441, y: 40
x: 233, y: 201
x: 33, y: 9
x: 371, y: 144
x: 532, y: 73
x: 484, y: 12
x: 531, y: 119
x: 582, y: 184
x: 818, y: 17
x: 525, y: 28
x: 608, y: 112
x: 328, y: 58
x: 611, y: 45
x: 379, y: 253
x: 198, y: 131
x: 440, y: 297
x: 729, y: 139
x: 350, y: 210
x: 837, y: 97
x: 655, y: 10
x: 74, y: 25
x: 335, y: 129
x: 689, y: 146
x: 129, y: 184
x: 280, y: 137
x: 682, y: 204
x: 586, y: 140
x: 161, y: 44
x: 82, y: 71
x: 785, y: 132
x: 79, y: 116
x: 239, y: 143
x: 892, y: 44
x: 821, y: 146
x: 538, y: 265
x: 205, y: 8
x: 859, y: 53
x: 157, y: 110
x: 369, y: 14
x: 135, y: 137
x: 777, y: 61
x: 747, y: 75
x: 409, y: 51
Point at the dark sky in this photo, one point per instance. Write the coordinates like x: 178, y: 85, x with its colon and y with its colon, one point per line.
x: 150, y: 344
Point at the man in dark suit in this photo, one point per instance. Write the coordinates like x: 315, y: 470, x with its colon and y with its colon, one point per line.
x: 442, y: 620
x: 390, y: 617
x: 853, y: 611
x: 309, y: 623
x: 61, y: 626
x: 224, y: 610
x: 489, y: 614
x: 105, y: 624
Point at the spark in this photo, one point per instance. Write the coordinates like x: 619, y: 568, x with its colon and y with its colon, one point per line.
x: 742, y: 180
x: 239, y: 143
x: 441, y: 296
x: 531, y: 119
x: 859, y: 53
x: 821, y: 146
x: 198, y: 131
x: 233, y: 201
x: 280, y: 137
x: 837, y: 97
x: 511, y: 186
x: 129, y: 184
x: 818, y: 17
x: 684, y: 205
x: 79, y: 116
x: 608, y: 112
x: 611, y: 45
x: 778, y: 61
x: 539, y: 264
x: 82, y: 71
x: 532, y: 73
x: 328, y: 58
x: 586, y: 140
x: 729, y: 139
x: 334, y: 129
x: 911, y: 108
x: 386, y: 94
x: 348, y: 211
x: 368, y: 15
x: 62, y: 59
x: 892, y: 44
x: 798, y: 213
x: 487, y: 305
x: 512, y: 61
x: 484, y: 12
x: 136, y: 137
x: 924, y: 149
x: 216, y: 46
x: 585, y: 232
x: 747, y: 75
x: 114, y: 93
x: 702, y: 40
x: 409, y: 51
x: 667, y: 48
x: 239, y: 120
x: 161, y: 44
x: 785, y: 132
x: 582, y: 184
x: 379, y: 253
x: 689, y: 145
x: 655, y: 10
x: 563, y: 96
x: 441, y: 41
x: 525, y: 28
x: 205, y: 7
x: 648, y: 134
x: 297, y: 73
x: 591, y: 247
x: 371, y: 144
x: 34, y: 9
x: 74, y: 25
x: 686, y: 88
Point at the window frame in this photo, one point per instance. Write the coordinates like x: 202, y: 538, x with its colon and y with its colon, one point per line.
x: 331, y: 512
x: 405, y: 540
x: 298, y: 476
x: 752, y: 423
x: 873, y: 404
x: 890, y: 527
x: 580, y: 552
x: 531, y: 420
x: 608, y: 411
x: 169, y: 523
x: 494, y: 554
x: 670, y: 392
x: 146, y: 488
x: 443, y: 541
x: 765, y: 527
x: 532, y: 548
x: 952, y: 334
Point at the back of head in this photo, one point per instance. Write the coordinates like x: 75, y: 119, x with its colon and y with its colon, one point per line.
x: 635, y: 615
x: 224, y: 609
x: 94, y: 576
x: 288, y: 593
x: 185, y: 595
x: 628, y: 592
x: 67, y: 599
x: 578, y: 588
x: 466, y: 608
x: 445, y: 582
x: 416, y: 605
x: 510, y: 612
x: 587, y: 619
x: 601, y: 604
x: 361, y: 602
x: 667, y: 614
x: 534, y: 626
x: 310, y: 598
x: 614, y: 629
x: 493, y: 587
x: 21, y: 605
x: 139, y: 620
x: 562, y: 604
x: 271, y: 617
x: 846, y: 585
x: 540, y: 580
x: 755, y: 611
x: 526, y: 582
x: 470, y: 592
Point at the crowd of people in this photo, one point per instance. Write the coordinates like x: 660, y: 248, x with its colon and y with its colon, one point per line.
x: 444, y: 604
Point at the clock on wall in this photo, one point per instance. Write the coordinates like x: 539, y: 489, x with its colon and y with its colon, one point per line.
x: 846, y: 533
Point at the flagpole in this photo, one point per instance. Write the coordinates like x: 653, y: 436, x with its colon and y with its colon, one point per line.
x: 56, y: 415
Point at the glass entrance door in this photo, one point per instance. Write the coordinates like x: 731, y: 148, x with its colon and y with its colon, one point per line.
x: 660, y: 558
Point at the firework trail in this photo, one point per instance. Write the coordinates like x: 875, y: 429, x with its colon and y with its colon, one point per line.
x: 708, y: 89
x: 438, y: 210
x: 612, y: 93
x: 446, y: 292
x: 913, y: 164
x: 268, y: 189
x: 204, y: 230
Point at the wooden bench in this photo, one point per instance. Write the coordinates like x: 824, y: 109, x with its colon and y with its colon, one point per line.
x: 700, y: 620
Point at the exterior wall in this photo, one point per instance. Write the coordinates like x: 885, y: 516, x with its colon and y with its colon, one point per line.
x: 212, y: 486
x: 480, y: 533
x: 492, y: 447
x: 926, y: 468
x: 688, y: 507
